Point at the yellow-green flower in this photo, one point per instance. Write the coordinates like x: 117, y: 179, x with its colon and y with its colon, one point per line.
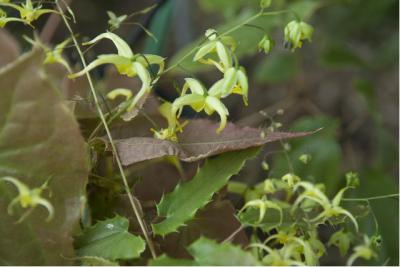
x: 217, y: 44
x: 127, y: 63
x: 28, y: 12
x: 234, y: 82
x: 114, y: 21
x: 330, y: 208
x: 174, y: 126
x: 362, y: 251
x: 55, y: 55
x: 263, y: 205
x: 296, y: 32
x: 4, y: 19
x: 28, y: 198
x: 200, y: 100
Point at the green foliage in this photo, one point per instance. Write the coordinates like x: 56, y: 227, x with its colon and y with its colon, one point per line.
x: 109, y: 239
x: 206, y: 252
x: 279, y: 67
x: 181, y: 205
x: 39, y: 142
x: 44, y: 161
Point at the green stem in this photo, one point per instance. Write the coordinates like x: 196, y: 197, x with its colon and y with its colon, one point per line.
x: 113, y: 148
x: 371, y: 198
x: 247, y: 21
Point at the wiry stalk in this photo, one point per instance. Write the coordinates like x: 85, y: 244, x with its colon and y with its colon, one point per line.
x: 113, y: 148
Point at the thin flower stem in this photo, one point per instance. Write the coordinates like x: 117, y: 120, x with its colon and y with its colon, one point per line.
x: 247, y: 21
x: 371, y: 198
x: 113, y: 148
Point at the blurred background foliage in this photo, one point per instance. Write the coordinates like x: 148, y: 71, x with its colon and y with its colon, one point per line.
x: 345, y: 81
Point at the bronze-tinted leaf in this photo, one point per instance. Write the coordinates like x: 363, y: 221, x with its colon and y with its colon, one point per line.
x: 39, y: 139
x: 198, y: 141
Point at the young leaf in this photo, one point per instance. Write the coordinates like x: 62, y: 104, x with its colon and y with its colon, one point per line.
x: 111, y: 240
x: 194, y: 144
x: 39, y: 141
x: 181, y: 205
x: 207, y: 252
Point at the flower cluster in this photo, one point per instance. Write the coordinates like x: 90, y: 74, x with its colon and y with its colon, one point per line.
x: 234, y: 81
x: 289, y: 211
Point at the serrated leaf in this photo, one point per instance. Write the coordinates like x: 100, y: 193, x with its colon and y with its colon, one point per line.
x: 39, y: 140
x: 198, y: 141
x: 216, y: 221
x: 181, y: 205
x: 207, y: 252
x: 110, y: 239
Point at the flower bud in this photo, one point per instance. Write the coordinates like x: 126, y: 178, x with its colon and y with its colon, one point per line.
x: 265, y: 3
x: 266, y: 44
x: 296, y: 32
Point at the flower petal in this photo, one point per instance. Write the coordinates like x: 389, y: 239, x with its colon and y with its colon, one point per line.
x: 123, y: 48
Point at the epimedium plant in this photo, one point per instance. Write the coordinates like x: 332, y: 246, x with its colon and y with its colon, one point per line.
x: 283, y: 215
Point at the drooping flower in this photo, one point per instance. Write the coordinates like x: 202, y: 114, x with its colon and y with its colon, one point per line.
x: 330, y: 208
x: 200, y: 99
x: 28, y: 198
x: 222, y: 45
x: 174, y: 126
x: 127, y: 63
x: 234, y: 82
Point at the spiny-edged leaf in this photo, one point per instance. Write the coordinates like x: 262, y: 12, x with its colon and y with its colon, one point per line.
x: 39, y: 140
x: 198, y: 141
x: 216, y: 221
x: 110, y: 239
x: 181, y: 205
x: 209, y: 253
x: 164, y: 260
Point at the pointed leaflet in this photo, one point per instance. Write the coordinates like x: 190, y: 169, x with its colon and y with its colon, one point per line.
x: 110, y: 240
x: 39, y: 140
x: 181, y: 205
x: 198, y: 141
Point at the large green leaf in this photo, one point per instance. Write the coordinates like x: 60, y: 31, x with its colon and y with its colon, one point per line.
x: 208, y: 252
x: 39, y: 139
x: 110, y: 240
x: 181, y: 205
x: 164, y: 260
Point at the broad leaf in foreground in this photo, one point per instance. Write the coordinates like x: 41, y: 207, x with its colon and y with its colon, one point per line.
x: 110, y: 239
x: 207, y: 252
x: 181, y: 205
x: 198, y: 141
x: 39, y: 141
